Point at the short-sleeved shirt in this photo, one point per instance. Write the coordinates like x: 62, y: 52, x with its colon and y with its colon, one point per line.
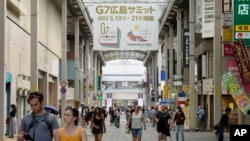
x: 40, y: 130
x: 153, y: 113
x: 163, y: 118
x: 162, y: 124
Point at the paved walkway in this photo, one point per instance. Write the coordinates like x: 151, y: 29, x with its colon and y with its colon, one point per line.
x: 118, y: 134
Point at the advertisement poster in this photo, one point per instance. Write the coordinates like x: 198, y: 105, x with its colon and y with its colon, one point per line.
x: 109, y: 102
x: 242, y: 59
x: 140, y: 102
x: 207, y: 18
x: 234, y: 88
x: 186, y: 113
x: 232, y: 66
x: 228, y: 49
x: 118, y: 26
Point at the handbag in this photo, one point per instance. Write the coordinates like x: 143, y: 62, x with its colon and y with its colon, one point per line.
x: 127, y: 131
x: 216, y: 126
x: 129, y: 126
x: 7, y: 121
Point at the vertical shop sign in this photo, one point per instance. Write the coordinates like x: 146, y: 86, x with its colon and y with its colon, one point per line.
x: 242, y: 20
x: 242, y: 59
x: 185, y: 34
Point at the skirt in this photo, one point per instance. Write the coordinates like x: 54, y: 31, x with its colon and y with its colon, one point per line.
x: 12, y: 126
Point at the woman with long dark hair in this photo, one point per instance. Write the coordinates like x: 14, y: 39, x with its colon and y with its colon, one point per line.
x: 179, y: 119
x: 12, y: 121
x: 98, y: 124
x: 71, y: 132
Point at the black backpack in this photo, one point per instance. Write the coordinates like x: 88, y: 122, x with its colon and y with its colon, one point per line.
x: 46, y: 120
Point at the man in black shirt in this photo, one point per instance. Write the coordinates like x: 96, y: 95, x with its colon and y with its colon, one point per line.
x: 223, y: 123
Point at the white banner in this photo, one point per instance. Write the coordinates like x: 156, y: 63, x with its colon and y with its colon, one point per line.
x: 207, y: 18
x: 198, y: 16
x: 140, y: 102
x: 125, y: 26
x: 109, y: 102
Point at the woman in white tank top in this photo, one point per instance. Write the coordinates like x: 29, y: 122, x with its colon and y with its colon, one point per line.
x: 136, y: 122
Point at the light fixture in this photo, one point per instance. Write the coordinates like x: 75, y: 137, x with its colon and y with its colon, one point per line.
x: 172, y: 13
x: 75, y: 6
x: 78, y: 13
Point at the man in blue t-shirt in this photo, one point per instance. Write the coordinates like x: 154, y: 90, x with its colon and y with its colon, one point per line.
x: 201, y: 117
x: 38, y: 125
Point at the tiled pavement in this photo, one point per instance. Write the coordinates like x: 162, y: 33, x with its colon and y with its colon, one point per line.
x: 118, y: 134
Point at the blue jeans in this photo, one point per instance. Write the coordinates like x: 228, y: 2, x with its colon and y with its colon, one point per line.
x: 179, y: 128
x: 136, y: 132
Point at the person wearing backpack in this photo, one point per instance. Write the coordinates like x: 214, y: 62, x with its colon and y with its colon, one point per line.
x: 201, y: 118
x: 39, y: 125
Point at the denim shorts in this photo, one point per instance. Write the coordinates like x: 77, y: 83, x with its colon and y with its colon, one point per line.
x: 136, y: 132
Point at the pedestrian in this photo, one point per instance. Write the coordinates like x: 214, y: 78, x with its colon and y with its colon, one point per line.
x: 117, y: 117
x: 98, y: 124
x: 71, y: 132
x: 163, y: 121
x: 201, y: 118
x: 39, y: 125
x: 89, y: 115
x: 224, y: 123
x: 152, y: 114
x: 59, y: 117
x: 12, y: 121
x: 128, y: 112
x: 135, y: 123
x: 104, y: 112
x: 179, y: 119
x: 81, y: 121
x: 112, y: 115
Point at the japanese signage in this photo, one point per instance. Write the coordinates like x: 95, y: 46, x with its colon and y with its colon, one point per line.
x: 242, y: 20
x: 125, y: 27
x: 109, y: 102
x: 140, y: 102
x: 226, y: 6
x: 198, y: 16
x: 185, y: 47
x: 233, y: 66
x: 227, y: 34
x: 207, y: 18
x: 163, y: 75
x: 165, y: 92
x: 228, y: 49
x: 228, y: 20
x: 234, y: 88
x: 242, y: 60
